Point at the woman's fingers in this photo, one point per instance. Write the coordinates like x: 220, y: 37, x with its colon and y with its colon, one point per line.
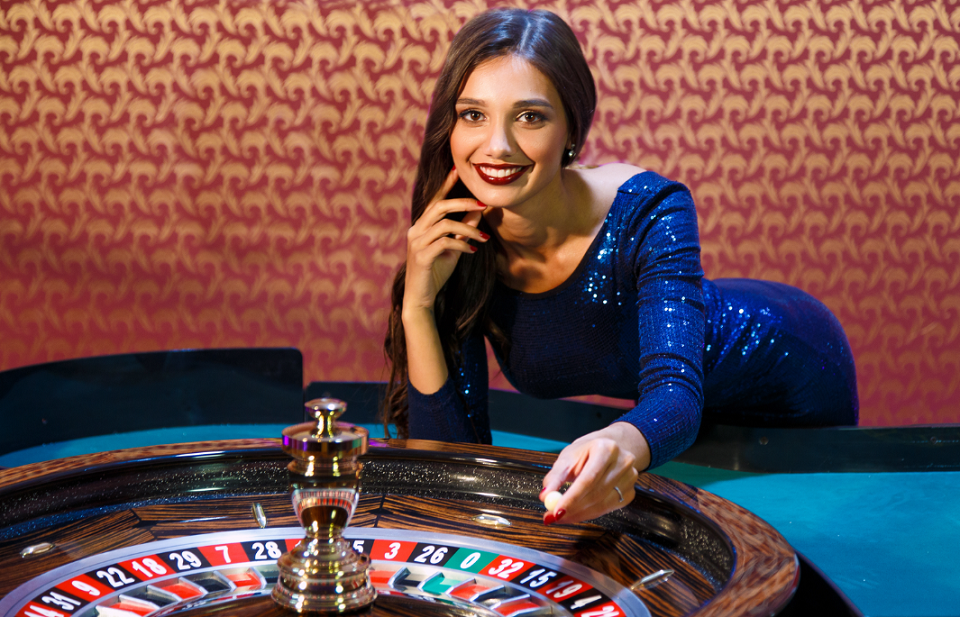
x: 440, y: 210
x: 426, y: 247
x: 439, y: 206
x: 436, y: 241
x: 598, y: 468
x: 602, y: 496
x: 448, y: 183
x: 434, y: 250
x: 473, y: 218
x: 561, y: 472
x: 591, y: 473
x: 428, y: 237
x: 450, y: 227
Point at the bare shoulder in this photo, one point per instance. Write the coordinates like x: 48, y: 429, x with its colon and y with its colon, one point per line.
x: 603, y: 181
x: 615, y: 173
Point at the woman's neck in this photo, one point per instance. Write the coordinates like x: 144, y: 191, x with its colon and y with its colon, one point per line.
x: 543, y: 242
x: 543, y: 225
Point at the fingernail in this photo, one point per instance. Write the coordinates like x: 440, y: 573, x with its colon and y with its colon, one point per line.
x: 549, y: 518
x: 542, y: 491
x: 559, y: 514
x: 481, y: 204
x: 454, y: 168
x: 484, y: 236
x: 473, y: 248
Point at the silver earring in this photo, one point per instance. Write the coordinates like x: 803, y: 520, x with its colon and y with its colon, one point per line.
x: 571, y: 152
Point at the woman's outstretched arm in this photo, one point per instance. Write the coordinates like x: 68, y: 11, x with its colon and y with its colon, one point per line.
x: 662, y: 251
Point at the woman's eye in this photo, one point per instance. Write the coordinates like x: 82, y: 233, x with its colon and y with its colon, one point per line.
x: 471, y: 115
x: 531, y: 116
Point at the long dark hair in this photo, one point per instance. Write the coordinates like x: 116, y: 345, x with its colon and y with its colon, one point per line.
x: 546, y: 42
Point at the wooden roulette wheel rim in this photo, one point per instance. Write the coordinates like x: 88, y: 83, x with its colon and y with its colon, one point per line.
x: 725, y: 560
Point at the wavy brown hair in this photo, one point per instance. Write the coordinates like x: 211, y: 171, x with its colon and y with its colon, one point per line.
x: 546, y: 42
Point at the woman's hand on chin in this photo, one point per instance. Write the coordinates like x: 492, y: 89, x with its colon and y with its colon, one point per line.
x: 602, y: 468
x: 435, y: 243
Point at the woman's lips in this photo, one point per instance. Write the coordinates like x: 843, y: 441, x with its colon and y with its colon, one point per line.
x: 500, y: 174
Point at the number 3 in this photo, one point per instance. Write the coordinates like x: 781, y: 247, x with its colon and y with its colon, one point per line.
x: 394, y: 551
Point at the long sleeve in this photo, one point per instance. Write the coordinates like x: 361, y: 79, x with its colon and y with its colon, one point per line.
x: 670, y: 318
x: 458, y: 411
x: 628, y: 323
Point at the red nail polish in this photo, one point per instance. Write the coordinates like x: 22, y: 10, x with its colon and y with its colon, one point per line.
x: 484, y: 236
x: 454, y: 168
x: 549, y: 519
x: 473, y: 248
x: 542, y: 491
x: 560, y: 513
x: 481, y: 204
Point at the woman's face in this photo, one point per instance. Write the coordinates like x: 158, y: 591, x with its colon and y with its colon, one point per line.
x: 510, y: 134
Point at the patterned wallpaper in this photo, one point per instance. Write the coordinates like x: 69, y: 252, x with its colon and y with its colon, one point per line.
x: 205, y: 173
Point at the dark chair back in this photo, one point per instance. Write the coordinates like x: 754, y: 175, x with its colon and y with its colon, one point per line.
x: 70, y: 399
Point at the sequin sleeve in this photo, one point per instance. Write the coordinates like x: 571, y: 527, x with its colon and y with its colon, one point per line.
x: 665, y: 255
x: 458, y: 411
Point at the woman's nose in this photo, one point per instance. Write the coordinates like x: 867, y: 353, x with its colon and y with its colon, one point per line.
x: 499, y: 141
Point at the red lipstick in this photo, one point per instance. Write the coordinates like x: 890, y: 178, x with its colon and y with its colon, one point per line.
x: 521, y: 169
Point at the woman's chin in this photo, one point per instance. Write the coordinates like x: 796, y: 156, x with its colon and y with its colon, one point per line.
x: 503, y: 196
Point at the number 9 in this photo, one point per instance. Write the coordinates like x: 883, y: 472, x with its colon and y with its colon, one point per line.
x: 86, y: 588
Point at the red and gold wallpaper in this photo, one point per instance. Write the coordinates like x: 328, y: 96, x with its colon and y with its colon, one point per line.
x: 218, y: 173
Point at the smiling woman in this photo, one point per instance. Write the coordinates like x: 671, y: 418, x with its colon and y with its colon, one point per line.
x: 511, y: 134
x: 585, y: 281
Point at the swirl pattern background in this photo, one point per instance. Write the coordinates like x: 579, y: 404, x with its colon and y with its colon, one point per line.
x: 214, y: 173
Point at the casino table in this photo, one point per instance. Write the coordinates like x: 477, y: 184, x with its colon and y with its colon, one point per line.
x: 452, y: 529
x: 868, y: 514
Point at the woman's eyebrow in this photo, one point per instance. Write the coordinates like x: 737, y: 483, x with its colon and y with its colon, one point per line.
x: 523, y: 103
x: 533, y: 103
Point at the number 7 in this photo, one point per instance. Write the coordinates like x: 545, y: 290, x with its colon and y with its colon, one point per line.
x: 226, y: 552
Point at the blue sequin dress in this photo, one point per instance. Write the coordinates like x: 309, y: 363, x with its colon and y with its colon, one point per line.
x: 637, y: 320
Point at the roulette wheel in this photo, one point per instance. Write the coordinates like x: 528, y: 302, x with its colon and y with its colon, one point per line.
x: 447, y: 529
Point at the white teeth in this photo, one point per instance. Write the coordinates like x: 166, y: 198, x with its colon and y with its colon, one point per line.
x: 500, y: 173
